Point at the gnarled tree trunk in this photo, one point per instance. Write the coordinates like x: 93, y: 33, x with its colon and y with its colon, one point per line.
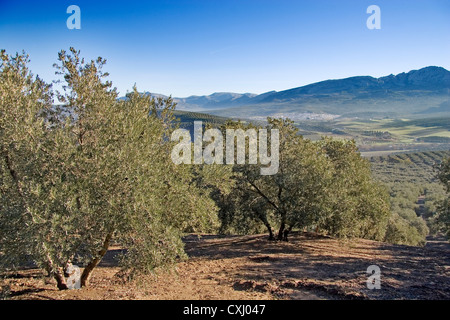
x: 281, y: 231
x: 87, y: 272
x: 60, y: 279
x: 286, y: 232
x: 56, y: 272
x: 268, y: 226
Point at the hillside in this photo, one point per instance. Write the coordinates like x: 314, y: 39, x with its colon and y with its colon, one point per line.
x: 418, y: 167
x: 310, y: 267
x: 417, y: 93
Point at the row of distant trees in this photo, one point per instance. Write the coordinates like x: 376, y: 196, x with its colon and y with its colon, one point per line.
x: 94, y: 170
x: 442, y: 217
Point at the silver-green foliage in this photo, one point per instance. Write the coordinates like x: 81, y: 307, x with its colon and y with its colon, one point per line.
x: 92, y: 170
x: 324, y: 184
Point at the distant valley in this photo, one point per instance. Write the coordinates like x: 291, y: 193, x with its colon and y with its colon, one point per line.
x: 408, y: 112
x: 415, y: 94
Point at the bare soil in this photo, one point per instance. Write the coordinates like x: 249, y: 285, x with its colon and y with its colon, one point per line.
x: 308, y: 267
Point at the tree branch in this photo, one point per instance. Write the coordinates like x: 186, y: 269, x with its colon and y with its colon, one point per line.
x: 263, y: 195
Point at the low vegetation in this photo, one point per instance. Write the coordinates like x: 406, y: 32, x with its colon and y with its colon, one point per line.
x: 415, y: 192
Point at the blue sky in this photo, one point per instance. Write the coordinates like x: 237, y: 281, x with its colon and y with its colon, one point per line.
x: 183, y: 48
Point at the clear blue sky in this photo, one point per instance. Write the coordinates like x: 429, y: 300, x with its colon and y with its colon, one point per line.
x: 199, y: 47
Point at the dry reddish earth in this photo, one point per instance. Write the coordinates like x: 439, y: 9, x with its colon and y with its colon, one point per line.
x: 250, y: 267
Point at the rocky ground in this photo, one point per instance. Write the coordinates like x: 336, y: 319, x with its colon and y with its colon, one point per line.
x: 309, y: 266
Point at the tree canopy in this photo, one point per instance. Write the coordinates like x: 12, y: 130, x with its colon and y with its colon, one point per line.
x: 89, y: 171
x: 324, y: 184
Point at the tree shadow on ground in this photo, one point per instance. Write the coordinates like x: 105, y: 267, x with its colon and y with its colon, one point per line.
x: 329, y: 266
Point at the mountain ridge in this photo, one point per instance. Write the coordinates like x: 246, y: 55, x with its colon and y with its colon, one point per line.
x: 414, y: 92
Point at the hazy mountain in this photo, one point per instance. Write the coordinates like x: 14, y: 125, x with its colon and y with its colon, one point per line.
x: 155, y: 95
x: 418, y: 92
x: 430, y: 78
x: 215, y: 100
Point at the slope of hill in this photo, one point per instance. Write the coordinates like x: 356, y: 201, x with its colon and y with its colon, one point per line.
x: 417, y: 167
x: 417, y: 93
x: 310, y: 266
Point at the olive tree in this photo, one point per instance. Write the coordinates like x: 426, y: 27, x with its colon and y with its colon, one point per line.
x: 93, y: 170
x: 324, y: 184
x: 34, y: 224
